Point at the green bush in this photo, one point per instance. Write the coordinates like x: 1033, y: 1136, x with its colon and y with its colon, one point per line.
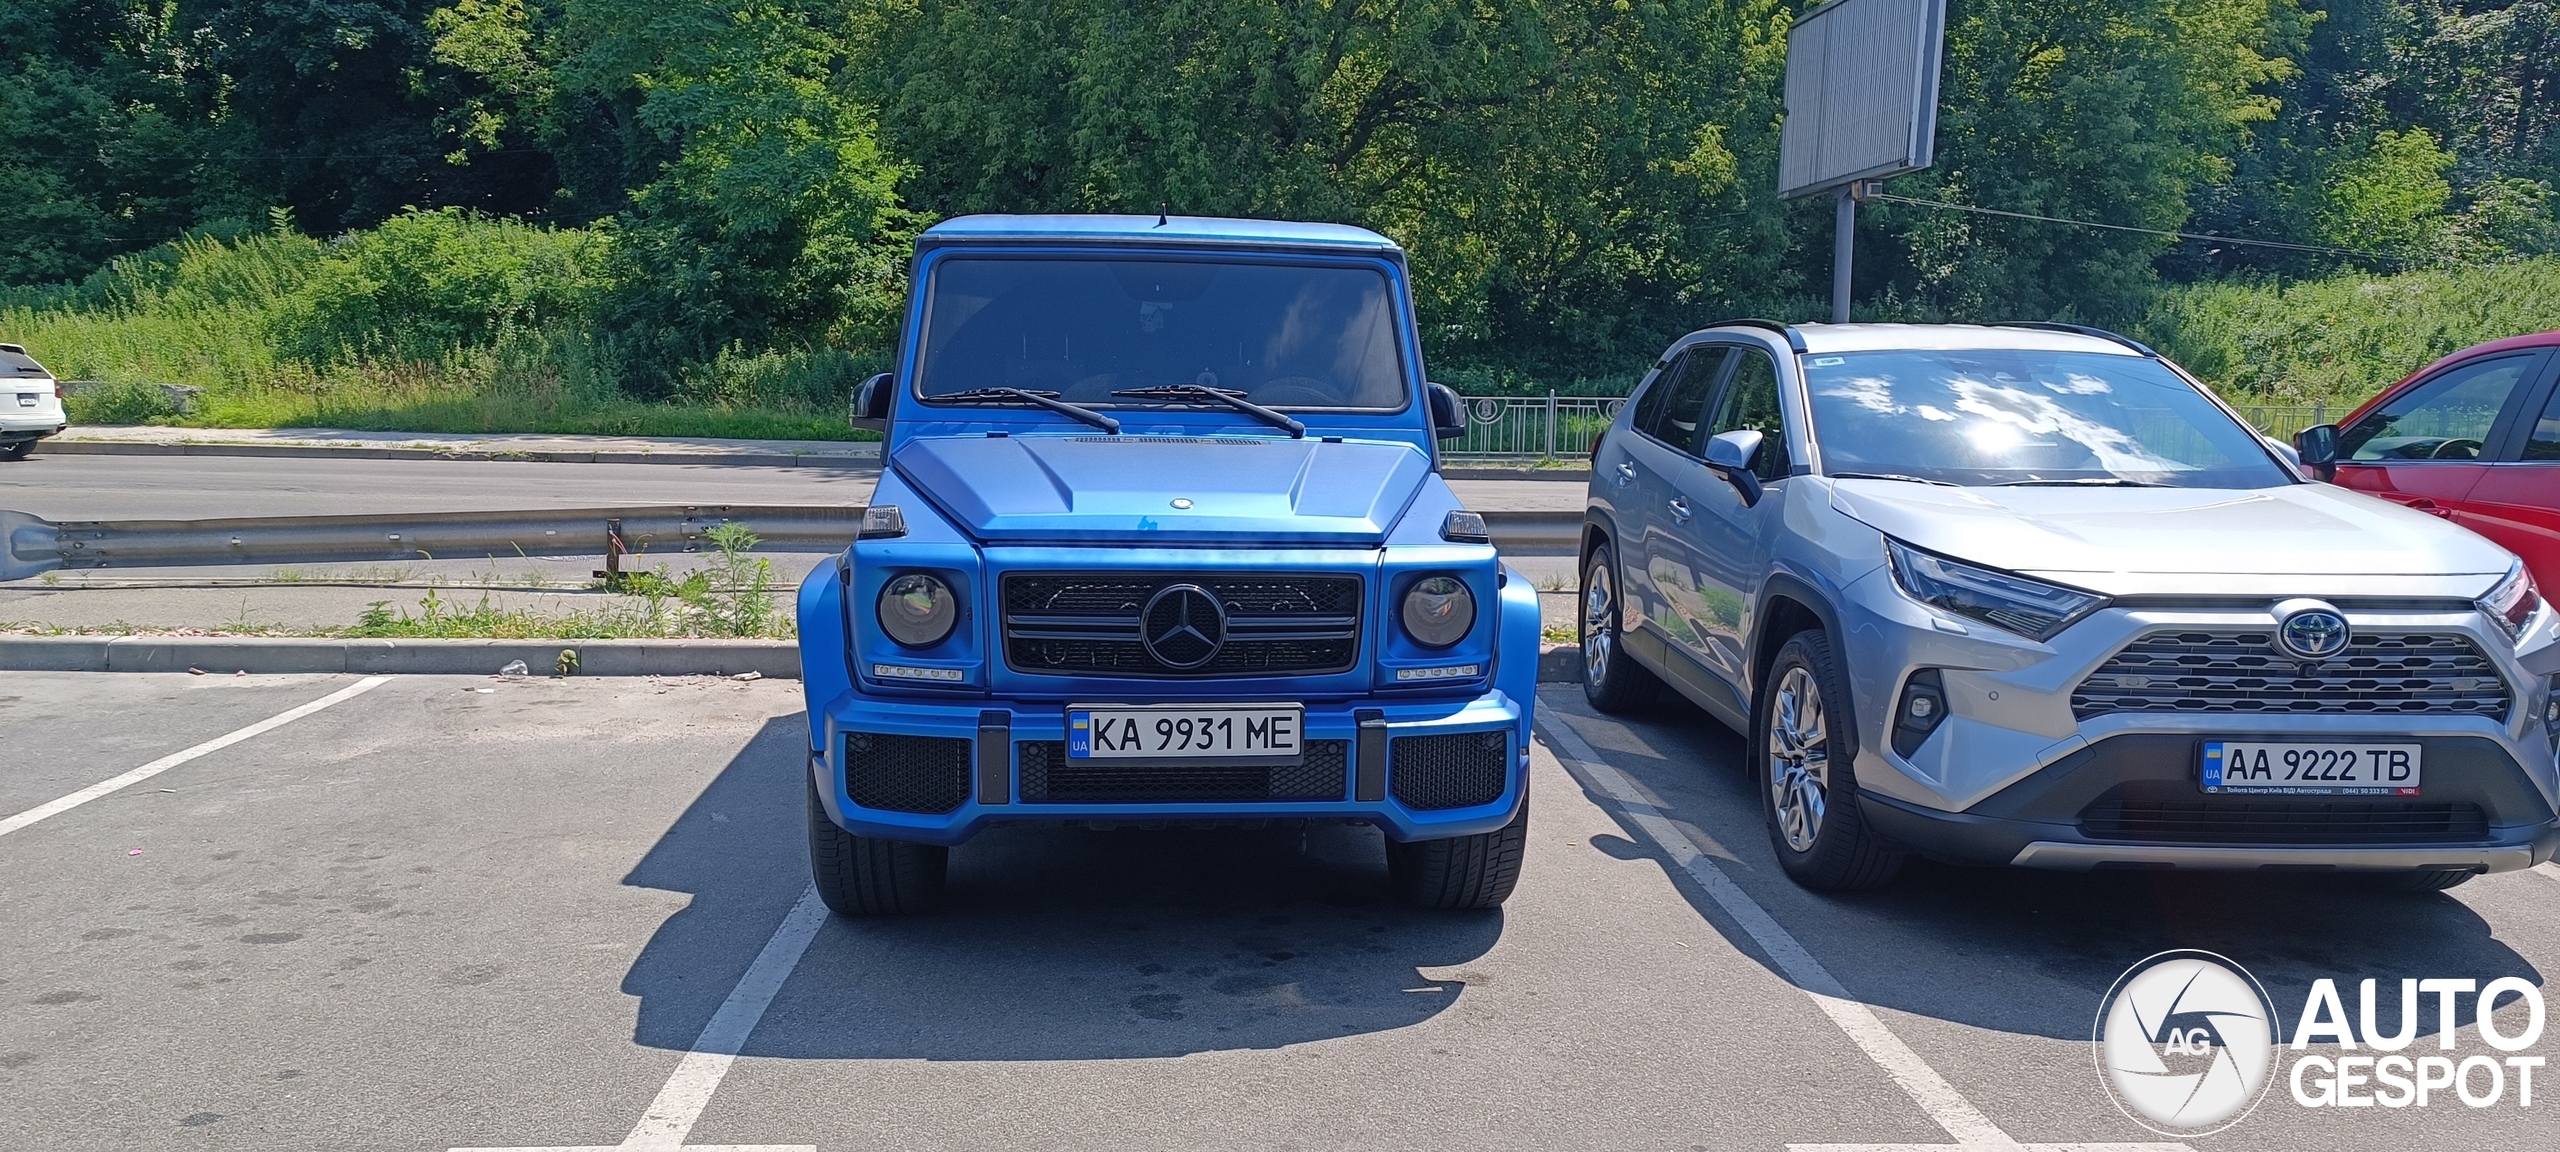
x: 122, y: 402
x: 2341, y: 339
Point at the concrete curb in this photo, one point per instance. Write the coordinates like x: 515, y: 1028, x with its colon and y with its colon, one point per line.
x: 1560, y: 665
x: 63, y: 447
x: 263, y: 655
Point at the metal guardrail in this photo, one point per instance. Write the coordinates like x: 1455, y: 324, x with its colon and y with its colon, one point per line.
x: 31, y: 546
x: 1532, y: 427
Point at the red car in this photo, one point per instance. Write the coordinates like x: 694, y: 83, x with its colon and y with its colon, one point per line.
x: 2474, y: 438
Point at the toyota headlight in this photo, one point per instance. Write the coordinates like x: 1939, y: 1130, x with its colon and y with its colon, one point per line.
x: 1438, y: 611
x: 918, y: 610
x: 2511, y: 604
x: 2030, y: 608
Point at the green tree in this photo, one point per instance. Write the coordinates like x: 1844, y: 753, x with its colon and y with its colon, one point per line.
x: 2108, y: 110
x: 766, y: 199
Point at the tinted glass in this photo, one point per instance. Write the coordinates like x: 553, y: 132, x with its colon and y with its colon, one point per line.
x: 1684, y: 391
x: 1288, y: 336
x: 2447, y: 417
x: 2024, y: 417
x: 1751, y: 401
x: 2545, y: 444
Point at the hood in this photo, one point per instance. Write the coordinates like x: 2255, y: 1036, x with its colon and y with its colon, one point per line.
x: 2317, y: 530
x: 1094, y: 489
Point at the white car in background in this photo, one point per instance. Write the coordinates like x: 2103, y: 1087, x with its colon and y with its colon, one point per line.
x: 30, y: 403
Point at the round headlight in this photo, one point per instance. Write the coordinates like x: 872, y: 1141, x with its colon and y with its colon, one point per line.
x: 918, y: 610
x: 1439, y: 611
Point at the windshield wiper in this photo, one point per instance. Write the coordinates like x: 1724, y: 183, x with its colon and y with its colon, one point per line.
x: 1227, y: 396
x: 1041, y: 398
x: 2085, y: 482
x: 1887, y: 476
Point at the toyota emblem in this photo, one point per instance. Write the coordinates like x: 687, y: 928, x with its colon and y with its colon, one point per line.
x: 1183, y: 626
x: 2309, y: 630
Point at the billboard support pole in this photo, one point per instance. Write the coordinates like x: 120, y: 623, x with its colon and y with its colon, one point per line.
x: 1844, y: 221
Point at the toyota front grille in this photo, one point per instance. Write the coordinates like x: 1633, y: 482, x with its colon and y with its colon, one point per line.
x: 2381, y: 672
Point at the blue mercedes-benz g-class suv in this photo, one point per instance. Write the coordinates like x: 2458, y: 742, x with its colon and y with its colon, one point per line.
x: 1160, y: 536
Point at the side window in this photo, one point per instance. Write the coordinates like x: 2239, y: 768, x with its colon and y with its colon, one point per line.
x: 2545, y: 444
x: 2448, y: 417
x: 1683, y: 399
x: 1751, y: 401
x: 1648, y: 417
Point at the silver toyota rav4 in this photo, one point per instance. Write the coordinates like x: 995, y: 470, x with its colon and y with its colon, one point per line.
x: 2031, y: 595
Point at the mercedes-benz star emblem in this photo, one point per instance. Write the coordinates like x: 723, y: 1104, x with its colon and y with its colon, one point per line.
x: 1183, y: 626
x: 2310, y: 631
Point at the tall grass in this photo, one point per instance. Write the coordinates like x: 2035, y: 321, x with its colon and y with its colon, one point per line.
x: 434, y: 322
x: 2342, y: 339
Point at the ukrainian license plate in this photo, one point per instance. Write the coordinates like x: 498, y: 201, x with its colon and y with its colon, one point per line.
x: 1186, y: 733
x: 2289, y: 768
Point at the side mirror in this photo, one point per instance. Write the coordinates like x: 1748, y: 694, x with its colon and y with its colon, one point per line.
x: 1731, y: 455
x: 871, y: 403
x: 1448, y: 413
x: 2318, y: 445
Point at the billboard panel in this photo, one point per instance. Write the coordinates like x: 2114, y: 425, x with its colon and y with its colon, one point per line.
x: 1862, y: 93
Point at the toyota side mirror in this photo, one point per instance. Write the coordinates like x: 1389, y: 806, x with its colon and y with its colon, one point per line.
x: 871, y: 403
x: 2318, y: 445
x: 1731, y: 455
x: 1448, y: 413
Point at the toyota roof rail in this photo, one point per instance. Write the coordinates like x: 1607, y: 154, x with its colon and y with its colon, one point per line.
x: 2083, y: 330
x: 1795, y: 339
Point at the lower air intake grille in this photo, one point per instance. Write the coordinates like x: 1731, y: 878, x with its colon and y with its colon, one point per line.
x: 2282, y: 822
x: 1455, y: 771
x: 1048, y: 777
x: 923, y: 774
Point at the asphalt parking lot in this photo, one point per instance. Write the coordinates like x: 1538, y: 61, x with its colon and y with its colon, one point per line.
x: 470, y: 913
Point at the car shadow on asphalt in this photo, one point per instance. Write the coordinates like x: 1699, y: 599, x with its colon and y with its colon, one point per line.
x: 1054, y: 943
x: 2033, y: 952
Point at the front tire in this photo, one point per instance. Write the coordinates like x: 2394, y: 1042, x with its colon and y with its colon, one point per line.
x: 1611, y: 679
x: 868, y: 875
x: 1801, y: 752
x: 1462, y: 872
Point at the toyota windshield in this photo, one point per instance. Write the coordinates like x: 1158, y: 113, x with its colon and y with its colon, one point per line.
x: 2019, y: 417
x: 1278, y: 335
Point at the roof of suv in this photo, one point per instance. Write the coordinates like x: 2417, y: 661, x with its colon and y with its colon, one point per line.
x: 1177, y: 229
x: 1949, y: 337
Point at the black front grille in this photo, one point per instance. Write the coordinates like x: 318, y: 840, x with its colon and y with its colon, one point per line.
x: 1091, y: 623
x: 2256, y: 821
x: 2382, y: 672
x: 1048, y: 777
x: 1460, y: 770
x: 922, y: 774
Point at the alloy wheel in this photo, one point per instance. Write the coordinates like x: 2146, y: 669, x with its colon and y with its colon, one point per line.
x: 1599, y: 622
x: 1799, y: 758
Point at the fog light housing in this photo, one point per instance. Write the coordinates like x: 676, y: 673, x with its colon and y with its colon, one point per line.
x: 1444, y: 672
x: 1922, y: 709
x: 918, y: 672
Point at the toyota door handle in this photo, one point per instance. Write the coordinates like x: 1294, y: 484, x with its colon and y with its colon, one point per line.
x: 1680, y: 510
x: 1626, y: 474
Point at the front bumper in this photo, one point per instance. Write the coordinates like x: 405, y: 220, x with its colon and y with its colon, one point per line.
x: 2013, y: 775
x: 997, y: 734
x: 2132, y: 801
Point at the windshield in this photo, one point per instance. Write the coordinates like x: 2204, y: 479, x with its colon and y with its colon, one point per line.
x: 1280, y: 335
x: 2025, y: 417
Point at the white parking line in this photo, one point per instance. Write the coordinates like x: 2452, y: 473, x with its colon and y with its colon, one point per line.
x: 172, y: 760
x: 671, y: 1116
x: 1937, y: 1098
